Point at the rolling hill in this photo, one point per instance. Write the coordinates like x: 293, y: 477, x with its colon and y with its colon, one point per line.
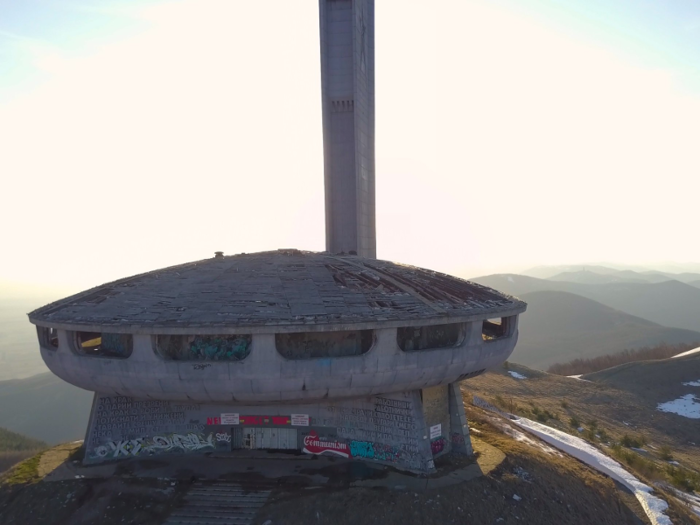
x: 669, y: 303
x: 45, y: 408
x: 561, y: 326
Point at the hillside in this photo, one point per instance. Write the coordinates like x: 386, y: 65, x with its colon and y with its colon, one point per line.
x: 45, y: 408
x: 615, y: 408
x: 11, y: 441
x: 560, y: 326
x: 19, y: 348
x: 657, y: 381
x: 670, y: 303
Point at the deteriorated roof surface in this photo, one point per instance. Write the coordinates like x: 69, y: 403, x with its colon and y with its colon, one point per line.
x: 284, y: 287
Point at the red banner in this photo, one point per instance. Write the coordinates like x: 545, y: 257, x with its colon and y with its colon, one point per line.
x: 312, y: 445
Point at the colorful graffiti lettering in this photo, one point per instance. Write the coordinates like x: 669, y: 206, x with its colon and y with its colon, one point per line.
x: 458, y: 438
x: 213, y: 421
x: 223, y: 436
x: 437, y: 445
x: 136, y: 447
x: 388, y: 453
x: 362, y: 449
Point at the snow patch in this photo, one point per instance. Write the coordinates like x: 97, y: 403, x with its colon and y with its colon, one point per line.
x: 689, y: 352
x: 686, y: 406
x: 580, y: 449
x: 516, y: 375
x: 579, y: 378
x: 692, y: 383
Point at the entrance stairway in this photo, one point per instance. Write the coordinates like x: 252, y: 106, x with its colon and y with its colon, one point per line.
x: 220, y: 503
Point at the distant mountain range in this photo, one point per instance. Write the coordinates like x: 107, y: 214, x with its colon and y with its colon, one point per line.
x: 44, y: 407
x: 669, y: 303
x: 561, y: 326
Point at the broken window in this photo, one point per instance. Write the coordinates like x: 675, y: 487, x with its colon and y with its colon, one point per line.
x: 492, y: 329
x: 203, y: 347
x: 414, y: 338
x: 96, y: 344
x: 311, y: 345
x: 48, y: 337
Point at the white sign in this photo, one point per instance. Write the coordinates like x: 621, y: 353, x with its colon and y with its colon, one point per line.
x: 435, y: 431
x: 300, y: 420
x: 229, y: 419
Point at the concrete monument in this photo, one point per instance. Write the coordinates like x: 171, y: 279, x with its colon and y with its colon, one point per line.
x: 332, y: 353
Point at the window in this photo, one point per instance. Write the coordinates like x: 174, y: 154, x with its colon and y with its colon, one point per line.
x: 415, y: 338
x: 203, y: 347
x: 48, y: 337
x: 312, y: 345
x: 96, y: 344
x: 492, y: 329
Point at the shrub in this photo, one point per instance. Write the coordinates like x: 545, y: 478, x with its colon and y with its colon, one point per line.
x: 666, y: 453
x: 592, y: 423
x: 574, y: 422
x: 564, y: 405
x: 632, y: 442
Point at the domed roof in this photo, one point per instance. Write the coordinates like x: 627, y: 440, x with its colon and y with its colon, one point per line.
x: 286, y: 290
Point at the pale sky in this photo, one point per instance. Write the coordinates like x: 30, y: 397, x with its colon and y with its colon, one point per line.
x: 510, y: 133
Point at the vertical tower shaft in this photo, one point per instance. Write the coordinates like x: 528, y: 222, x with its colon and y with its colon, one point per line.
x: 347, y: 86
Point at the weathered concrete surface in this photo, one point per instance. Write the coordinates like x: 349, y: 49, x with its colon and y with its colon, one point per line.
x: 388, y: 429
x: 268, y: 292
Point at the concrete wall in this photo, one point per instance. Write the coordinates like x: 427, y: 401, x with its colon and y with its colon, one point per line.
x: 265, y: 376
x: 389, y: 429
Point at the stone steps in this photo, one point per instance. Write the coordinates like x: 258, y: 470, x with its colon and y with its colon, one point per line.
x: 220, y: 504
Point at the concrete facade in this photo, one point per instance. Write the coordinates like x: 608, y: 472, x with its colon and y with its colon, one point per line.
x: 347, y: 87
x: 396, y: 429
x: 265, y: 376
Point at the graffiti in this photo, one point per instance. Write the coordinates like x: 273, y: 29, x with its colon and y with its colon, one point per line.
x: 362, y: 449
x: 220, y: 348
x: 313, y: 445
x: 213, y: 421
x: 136, y: 447
x: 388, y: 453
x: 179, y: 441
x: 201, y: 366
x: 130, y: 447
x: 223, y: 437
x: 457, y: 438
x: 437, y: 445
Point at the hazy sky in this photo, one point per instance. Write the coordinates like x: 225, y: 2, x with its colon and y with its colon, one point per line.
x: 510, y: 133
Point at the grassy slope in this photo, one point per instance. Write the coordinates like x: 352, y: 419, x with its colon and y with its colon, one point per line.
x: 655, y: 381
x: 44, y: 407
x: 616, y: 410
x: 671, y: 303
x: 15, y: 447
x: 560, y: 326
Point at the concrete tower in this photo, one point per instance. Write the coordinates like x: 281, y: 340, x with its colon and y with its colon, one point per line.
x: 347, y: 84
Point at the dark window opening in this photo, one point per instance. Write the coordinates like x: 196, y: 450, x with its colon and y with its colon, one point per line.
x: 412, y: 339
x: 493, y: 329
x: 203, y: 347
x: 48, y: 337
x: 96, y: 344
x: 312, y: 345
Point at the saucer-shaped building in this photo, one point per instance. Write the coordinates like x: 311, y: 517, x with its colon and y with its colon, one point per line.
x: 321, y: 353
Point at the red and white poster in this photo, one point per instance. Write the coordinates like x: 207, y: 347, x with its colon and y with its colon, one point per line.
x: 312, y: 445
